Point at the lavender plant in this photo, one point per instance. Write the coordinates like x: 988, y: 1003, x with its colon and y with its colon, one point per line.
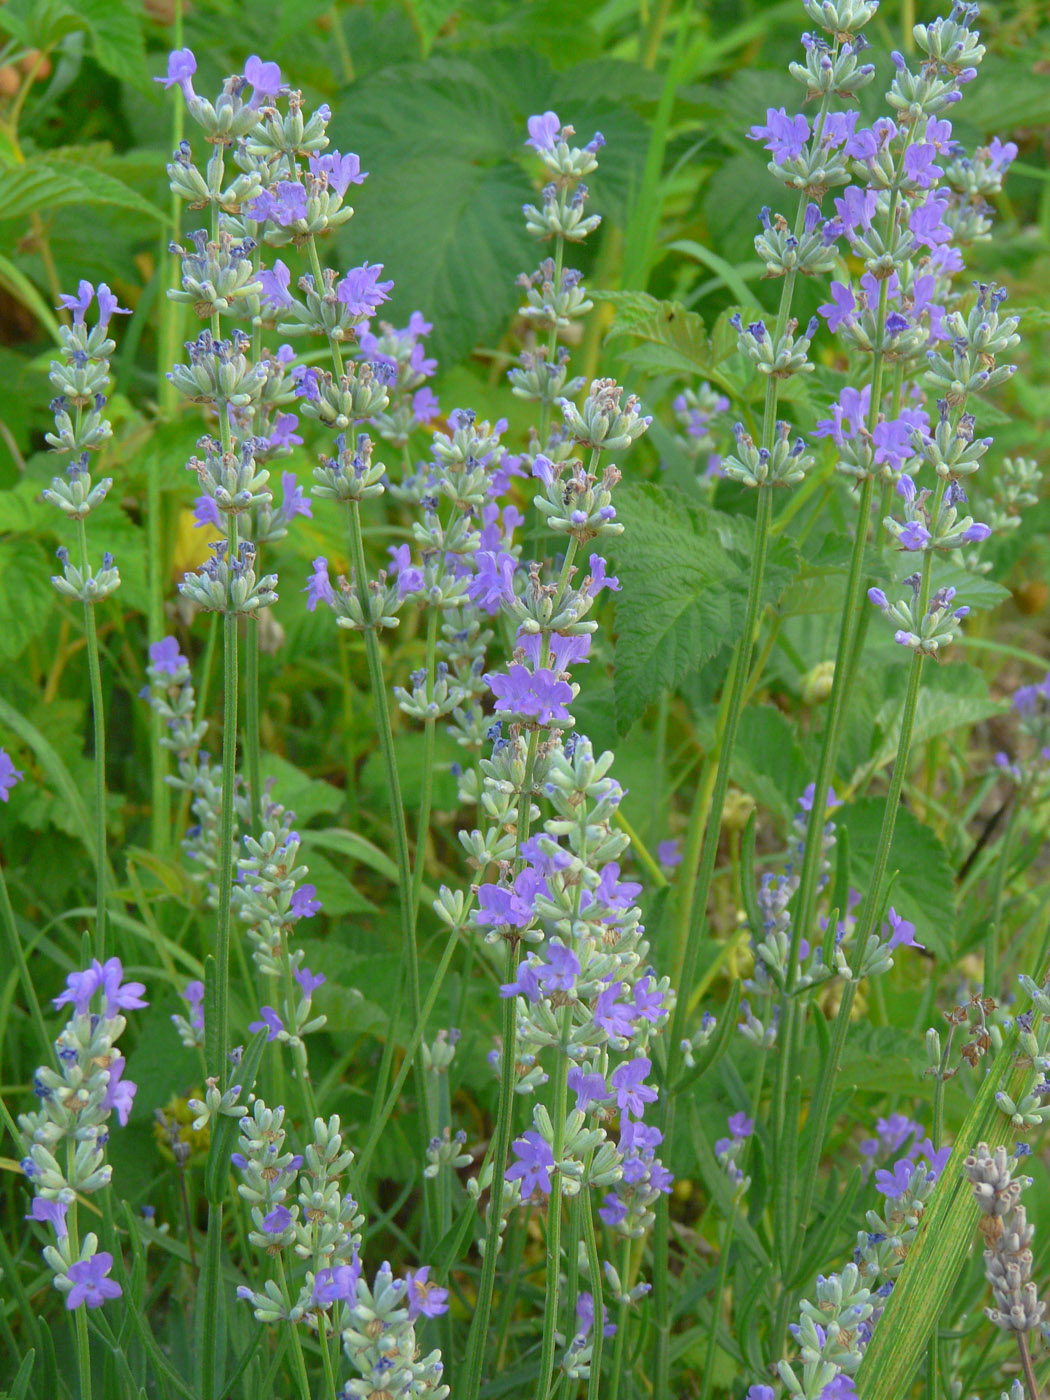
x: 569, y: 1156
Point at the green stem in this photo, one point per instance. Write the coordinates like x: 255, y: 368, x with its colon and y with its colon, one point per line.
x: 251, y: 719
x: 429, y: 729
x: 991, y: 942
x: 719, y: 1294
x: 297, y: 1344
x: 99, y: 719
x: 210, y: 1283
x: 594, y: 1267
x: 80, y: 1326
x: 550, y: 1304
x: 330, y: 1379
x: 619, y: 1346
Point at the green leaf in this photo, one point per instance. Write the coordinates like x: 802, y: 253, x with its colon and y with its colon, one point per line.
x: 684, y: 572
x: 442, y: 206
x: 305, y: 796
x: 954, y: 696
x: 26, y: 596
x: 116, y: 35
x: 39, y: 24
x: 52, y: 183
x: 671, y: 338
x: 924, y: 892
x: 768, y: 761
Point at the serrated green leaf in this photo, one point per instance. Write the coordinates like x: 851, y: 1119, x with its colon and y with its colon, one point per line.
x: 115, y: 27
x: 684, y: 572
x: 52, y: 183
x: 670, y: 338
x: 26, y: 596
x: 40, y: 24
x: 768, y: 761
x: 924, y: 892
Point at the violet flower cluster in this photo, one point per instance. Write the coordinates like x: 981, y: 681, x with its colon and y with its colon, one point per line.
x: 81, y: 378
x: 64, y: 1140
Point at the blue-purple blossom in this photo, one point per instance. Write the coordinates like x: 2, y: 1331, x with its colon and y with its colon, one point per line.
x: 120, y: 1092
x: 585, y: 1316
x: 9, y: 775
x: 107, y: 303
x: 614, y: 1017
x: 284, y: 204
x: 270, y: 1022
x: 304, y: 902
x: 181, y: 67
x: 277, y: 1221
x: 309, y: 981
x: 166, y: 658
x: 534, y: 1162
x: 537, y: 695
x: 91, y: 1287
x: 599, y: 579
x: 632, y: 1092
x: 902, y: 933
x: 424, y: 1299
x: 361, y: 291
x: 783, y: 136
x: 105, y: 977
x: 669, y: 854
x: 914, y: 535
x: 319, y: 586
x: 341, y: 170
x: 493, y: 584
x: 206, y: 512
x: 263, y: 78
x: 741, y: 1126
x: 337, y: 1285
x: 294, y: 501
x: 588, y: 1088
x: 275, y: 282
x: 544, y: 131
x: 193, y: 995
x: 559, y: 972
x: 509, y: 905
x: 51, y: 1213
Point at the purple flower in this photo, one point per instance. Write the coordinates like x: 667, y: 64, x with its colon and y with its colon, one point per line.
x: 841, y: 306
x: 119, y: 998
x: 534, y: 1164
x: 585, y: 1316
x: 341, y: 170
x: 894, y: 1183
x: 599, y: 579
x: 613, y: 1210
x: 848, y: 413
x: 425, y: 1299
x: 284, y: 204
x: 614, y: 1017
x: 527, y: 984
x: 856, y: 209
x: 166, y: 657
x: 319, y: 586
x: 648, y: 1004
x: 91, y: 1287
x: 493, y: 583
x: 914, y: 535
x: 1001, y: 154
x: 193, y: 993
x: 51, y: 1213
x: 509, y: 904
x: 535, y: 695
x: 544, y: 131
x: 919, y: 166
x: 309, y: 981
x: 741, y: 1126
x: 120, y: 1092
x: 270, y: 1022
x: 927, y: 225
x: 783, y: 136
x: 892, y: 441
x: 588, y: 1088
x: 559, y: 972
x: 206, y: 512
x: 304, y: 902
x: 294, y: 501
x: 902, y: 933
x: 892, y: 1133
x: 425, y: 405
x: 976, y: 533
x: 760, y: 1392
x: 876, y: 596
x: 669, y: 854
x: 277, y: 1221
x: 361, y: 291
x: 80, y: 988
x: 9, y: 775
x: 181, y: 67
x: 263, y: 78
x: 628, y: 1079
x: 337, y: 1285
x: 283, y: 434
x: 275, y: 283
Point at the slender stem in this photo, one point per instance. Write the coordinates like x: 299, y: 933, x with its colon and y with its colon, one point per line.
x: 220, y: 1048
x: 619, y: 1346
x: 719, y: 1294
x: 251, y: 719
x: 991, y: 943
x: 297, y: 1344
x: 330, y: 1379
x: 429, y: 729
x: 210, y: 1282
x: 1031, y: 1384
x: 594, y: 1267
x: 80, y: 1328
x: 99, y: 718
x: 551, y: 1300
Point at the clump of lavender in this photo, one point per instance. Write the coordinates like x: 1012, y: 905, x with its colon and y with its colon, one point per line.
x: 65, y: 1138
x: 1008, y: 1257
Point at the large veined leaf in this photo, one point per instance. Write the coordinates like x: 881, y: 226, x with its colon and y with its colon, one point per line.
x: 113, y: 27
x: 50, y: 183
x: 684, y: 574
x: 668, y: 338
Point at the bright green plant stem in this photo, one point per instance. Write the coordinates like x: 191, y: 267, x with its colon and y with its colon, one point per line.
x: 594, y: 1268
x: 252, y: 751
x: 16, y: 953
x: 98, y: 716
x: 209, y: 1301
x: 429, y: 735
